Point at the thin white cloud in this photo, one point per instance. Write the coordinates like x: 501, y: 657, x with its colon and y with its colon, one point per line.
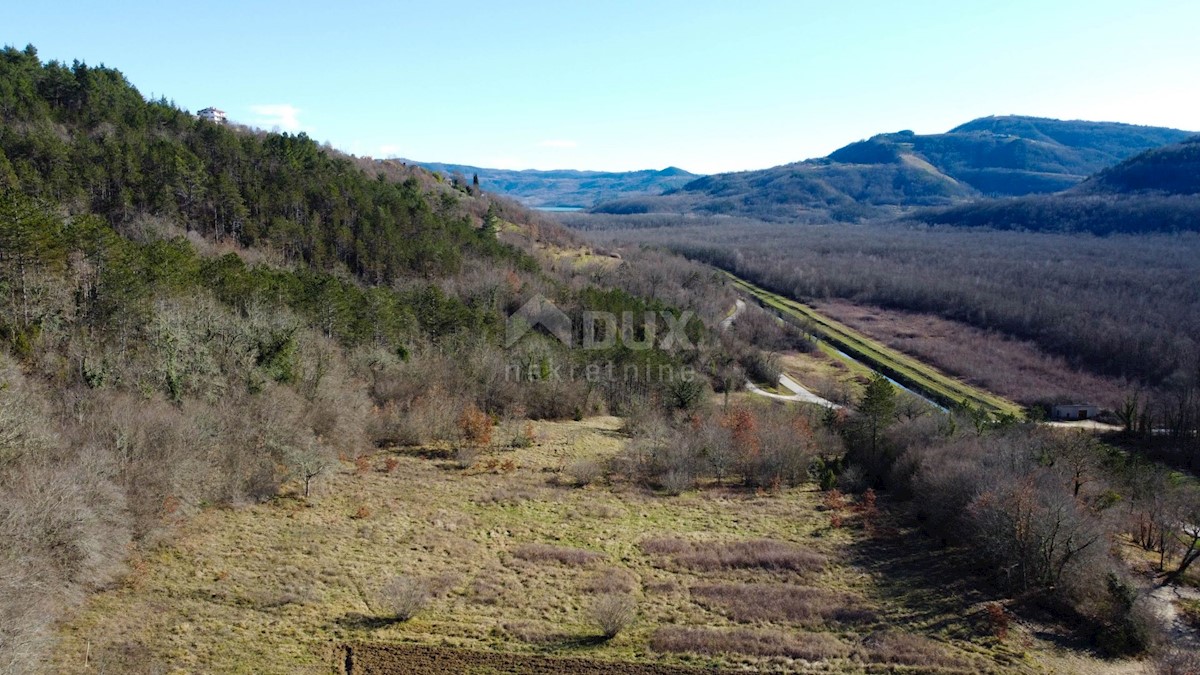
x: 559, y: 144
x: 284, y: 116
x: 389, y: 150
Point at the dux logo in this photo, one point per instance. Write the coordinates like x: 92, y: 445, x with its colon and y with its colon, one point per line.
x: 600, y: 330
x: 538, y: 311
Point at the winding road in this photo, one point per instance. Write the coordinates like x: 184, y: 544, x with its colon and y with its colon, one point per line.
x: 799, y: 393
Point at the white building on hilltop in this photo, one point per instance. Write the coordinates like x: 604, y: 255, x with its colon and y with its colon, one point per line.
x: 212, y: 115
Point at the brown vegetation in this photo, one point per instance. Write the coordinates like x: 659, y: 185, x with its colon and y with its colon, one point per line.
x: 807, y: 646
x: 1016, y: 369
x: 391, y: 659
x: 613, y: 612
x: 801, y: 605
x: 765, y: 554
x: 403, y: 597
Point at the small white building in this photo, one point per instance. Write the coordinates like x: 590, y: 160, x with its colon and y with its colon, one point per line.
x: 1075, y: 411
x: 212, y: 115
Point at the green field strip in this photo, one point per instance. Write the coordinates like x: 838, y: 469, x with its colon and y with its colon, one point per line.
x: 902, y: 368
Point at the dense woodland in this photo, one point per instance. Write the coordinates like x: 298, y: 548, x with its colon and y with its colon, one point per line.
x: 1120, y: 306
x: 1154, y: 191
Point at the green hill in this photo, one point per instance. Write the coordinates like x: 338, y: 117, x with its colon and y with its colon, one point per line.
x: 1173, y: 170
x: 993, y: 156
x: 1155, y: 191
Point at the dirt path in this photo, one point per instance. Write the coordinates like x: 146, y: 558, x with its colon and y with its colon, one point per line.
x: 799, y: 393
x: 739, y: 306
x: 1162, y: 602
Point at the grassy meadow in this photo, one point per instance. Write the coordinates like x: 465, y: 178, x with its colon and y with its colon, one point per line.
x: 516, y: 554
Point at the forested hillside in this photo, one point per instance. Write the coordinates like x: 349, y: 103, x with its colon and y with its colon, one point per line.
x: 195, y: 315
x: 1155, y: 191
x: 993, y: 156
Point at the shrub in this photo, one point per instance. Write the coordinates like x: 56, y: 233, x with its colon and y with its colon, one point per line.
x: 807, y: 606
x: 524, y: 438
x: 613, y: 612
x: 909, y: 650
x: 853, y: 479
x: 362, y: 465
x: 404, y: 597
x: 677, y: 482
x: 560, y: 554
x: 1128, y: 626
x: 766, y: 554
x: 475, y: 426
x: 585, y: 471
x: 998, y: 620
x: 465, y: 454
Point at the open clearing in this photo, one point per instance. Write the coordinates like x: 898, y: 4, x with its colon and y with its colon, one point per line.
x: 515, y: 557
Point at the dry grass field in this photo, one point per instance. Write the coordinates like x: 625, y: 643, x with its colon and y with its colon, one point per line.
x: 514, y: 558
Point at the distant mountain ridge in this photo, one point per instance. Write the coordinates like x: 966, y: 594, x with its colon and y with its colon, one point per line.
x: 565, y: 188
x: 987, y: 157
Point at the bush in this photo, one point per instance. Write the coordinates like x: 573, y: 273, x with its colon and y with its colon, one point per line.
x: 404, y: 597
x: 896, y: 647
x: 525, y: 438
x: 801, y: 605
x: 1129, y: 627
x: 465, y: 455
x: 613, y: 612
x: 676, y: 482
x: 585, y: 471
x: 766, y: 554
x: 475, y: 426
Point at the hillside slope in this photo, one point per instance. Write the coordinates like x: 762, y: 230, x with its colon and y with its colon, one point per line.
x: 994, y: 156
x: 1155, y: 191
x: 195, y: 315
x: 567, y: 188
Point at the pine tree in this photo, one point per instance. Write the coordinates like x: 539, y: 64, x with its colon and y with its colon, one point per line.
x: 878, y: 410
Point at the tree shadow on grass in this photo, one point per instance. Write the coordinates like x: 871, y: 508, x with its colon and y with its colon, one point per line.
x: 358, y: 620
x: 928, y: 587
x: 923, y: 584
x: 579, y: 642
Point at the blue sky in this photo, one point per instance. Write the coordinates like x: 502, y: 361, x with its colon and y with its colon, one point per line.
x: 614, y: 85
